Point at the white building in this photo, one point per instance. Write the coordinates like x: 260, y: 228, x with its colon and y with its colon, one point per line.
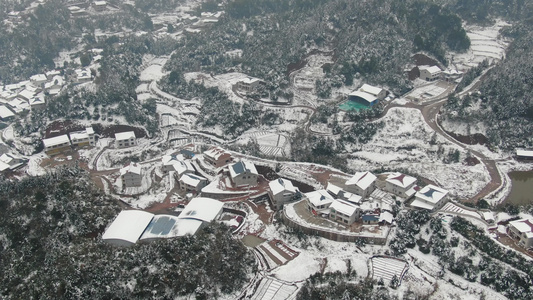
x: 248, y: 85
x: 182, y: 167
x: 38, y: 79
x: 343, y: 212
x: 400, y: 184
x: 37, y: 103
x: 83, y: 138
x: 83, y: 75
x: 56, y: 144
x: 192, y: 183
x: 100, y: 5
x: 523, y: 231
x: 243, y: 173
x: 125, y: 139
x: 377, y: 92
x: 428, y: 73
x: 319, y: 201
x: 430, y: 197
x: 127, y: 227
x: 11, y: 162
x: 362, y: 184
x: 131, y: 175
x: 281, y: 191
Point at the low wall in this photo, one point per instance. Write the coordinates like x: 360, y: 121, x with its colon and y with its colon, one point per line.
x: 334, y: 236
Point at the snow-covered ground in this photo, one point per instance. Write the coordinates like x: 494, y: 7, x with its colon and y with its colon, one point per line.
x: 486, y: 43
x: 404, y: 143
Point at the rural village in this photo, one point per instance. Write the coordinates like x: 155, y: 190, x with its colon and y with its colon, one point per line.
x: 174, y: 183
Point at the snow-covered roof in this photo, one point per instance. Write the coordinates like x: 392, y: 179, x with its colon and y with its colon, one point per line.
x: 333, y: 189
x: 372, y: 90
x: 37, y: 101
x: 351, y: 197
x: 131, y: 168
x: 183, y: 166
x: 281, y: 185
x: 191, y: 179
x: 78, y: 135
x: 54, y: 141
x: 523, y: 225
x: 320, y: 197
x: 422, y: 204
x: 345, y: 208
x: 52, y: 73
x: 241, y: 167
x: 125, y: 135
x: 432, y: 70
x: 89, y: 130
x: 400, y: 180
x: 247, y: 80
x: 100, y: 3
x: 171, y: 159
x: 161, y: 226
x: 4, y: 166
x: 524, y: 153
x: 363, y: 95
x: 38, y: 77
x: 5, y: 112
x: 488, y: 216
x: 203, y: 209
x: 27, y: 94
x: 128, y: 226
x: 215, y: 153
x: 362, y: 179
x: 431, y: 194
x: 386, y: 216
x: 369, y: 206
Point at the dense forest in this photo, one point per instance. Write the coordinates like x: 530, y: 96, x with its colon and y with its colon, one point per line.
x: 51, y: 248
x: 505, y: 102
x: 372, y: 39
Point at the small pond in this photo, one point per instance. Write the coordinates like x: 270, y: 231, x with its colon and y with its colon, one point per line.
x: 522, y: 188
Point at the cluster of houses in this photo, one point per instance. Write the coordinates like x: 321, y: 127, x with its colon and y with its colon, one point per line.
x: 132, y: 226
x: 354, y: 202
x: 29, y: 95
x: 82, y: 9
x: 64, y: 142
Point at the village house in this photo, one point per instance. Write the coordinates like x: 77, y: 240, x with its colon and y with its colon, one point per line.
x: 56, y: 82
x: 11, y: 162
x: 182, y: 167
x: 523, y: 231
x: 451, y: 75
x: 100, y: 5
x: 428, y: 73
x: 131, y: 175
x: 400, y: 185
x: 243, y: 173
x: 56, y: 145
x: 37, y: 103
x: 51, y: 74
x: 168, y: 161
x: 125, y: 139
x: 343, y: 212
x: 38, y: 79
x: 367, y: 95
x: 217, y: 157
x: 319, y: 201
x: 248, y: 85
x: 430, y: 197
x: 6, y: 114
x: 281, y: 191
x: 26, y: 94
x: 362, y: 184
x: 337, y: 192
x: 83, y: 75
x: 524, y: 154
x: 192, y: 183
x: 83, y: 138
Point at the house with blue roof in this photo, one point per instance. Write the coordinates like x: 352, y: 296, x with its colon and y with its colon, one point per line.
x: 430, y: 197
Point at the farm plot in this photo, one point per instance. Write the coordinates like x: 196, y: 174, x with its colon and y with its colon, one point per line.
x: 272, y: 289
x: 450, y: 207
x: 386, y: 268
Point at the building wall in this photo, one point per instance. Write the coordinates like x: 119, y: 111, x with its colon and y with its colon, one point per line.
x: 57, y: 149
x: 359, y: 191
x: 245, y: 179
x: 125, y: 143
x: 397, y: 190
x: 281, y: 198
x: 131, y: 179
x: 220, y: 162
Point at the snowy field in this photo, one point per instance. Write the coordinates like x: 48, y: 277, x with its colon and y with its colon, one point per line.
x: 426, y: 92
x: 404, y: 143
x: 485, y: 44
x: 386, y: 268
